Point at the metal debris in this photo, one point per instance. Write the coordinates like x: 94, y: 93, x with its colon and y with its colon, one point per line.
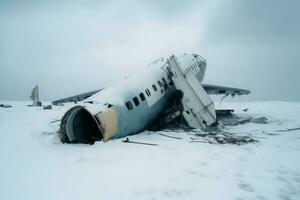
x: 5, y: 106
x: 143, y: 143
x: 288, y: 130
x: 225, y: 138
x: 170, y: 136
x: 54, y: 121
x: 260, y: 120
x: 48, y: 107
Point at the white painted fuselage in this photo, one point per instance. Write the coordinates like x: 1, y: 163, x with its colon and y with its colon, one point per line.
x: 132, y: 105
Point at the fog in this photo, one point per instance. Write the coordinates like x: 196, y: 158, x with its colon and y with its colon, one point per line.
x: 69, y: 47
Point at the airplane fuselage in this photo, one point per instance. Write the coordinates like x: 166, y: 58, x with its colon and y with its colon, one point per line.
x: 130, y: 106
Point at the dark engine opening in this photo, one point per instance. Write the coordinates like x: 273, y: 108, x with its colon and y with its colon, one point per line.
x: 79, y: 126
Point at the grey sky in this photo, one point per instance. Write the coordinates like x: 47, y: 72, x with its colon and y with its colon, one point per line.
x: 68, y: 47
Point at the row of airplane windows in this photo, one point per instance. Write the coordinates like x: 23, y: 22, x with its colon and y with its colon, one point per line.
x: 148, y: 93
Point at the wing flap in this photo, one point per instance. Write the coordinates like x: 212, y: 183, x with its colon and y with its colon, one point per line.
x: 222, y: 90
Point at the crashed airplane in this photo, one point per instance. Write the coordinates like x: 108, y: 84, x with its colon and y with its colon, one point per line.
x: 138, y: 102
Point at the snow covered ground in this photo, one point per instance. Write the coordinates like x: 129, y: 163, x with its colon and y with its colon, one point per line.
x: 34, y: 164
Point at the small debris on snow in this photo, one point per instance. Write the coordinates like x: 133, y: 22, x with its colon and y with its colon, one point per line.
x: 5, y: 106
x: 133, y: 142
x: 288, y: 130
x: 48, y: 107
x: 260, y: 120
x: 226, y: 138
x: 170, y: 136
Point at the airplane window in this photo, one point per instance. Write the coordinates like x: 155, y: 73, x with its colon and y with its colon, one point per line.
x: 129, y: 105
x: 142, y: 96
x: 159, y: 83
x: 165, y: 83
x: 136, y: 101
x: 154, y: 87
x: 108, y: 105
x: 148, y: 92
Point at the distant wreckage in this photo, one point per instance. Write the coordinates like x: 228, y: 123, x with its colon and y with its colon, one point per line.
x: 167, y: 89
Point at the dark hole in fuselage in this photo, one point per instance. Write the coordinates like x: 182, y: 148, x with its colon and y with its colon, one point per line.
x: 85, y: 128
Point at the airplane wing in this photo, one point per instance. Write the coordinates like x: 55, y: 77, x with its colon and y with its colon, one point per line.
x: 210, y: 89
x: 215, y: 89
x: 76, y: 98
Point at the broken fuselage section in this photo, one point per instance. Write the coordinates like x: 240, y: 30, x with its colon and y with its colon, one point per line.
x: 135, y: 103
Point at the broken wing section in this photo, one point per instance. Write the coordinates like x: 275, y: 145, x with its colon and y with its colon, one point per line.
x: 199, y: 109
x: 221, y: 90
x: 75, y: 98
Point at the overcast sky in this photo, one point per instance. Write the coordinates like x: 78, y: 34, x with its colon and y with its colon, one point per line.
x: 69, y: 47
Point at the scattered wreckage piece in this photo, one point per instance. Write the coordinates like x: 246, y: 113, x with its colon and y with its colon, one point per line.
x: 199, y: 141
x: 5, y: 106
x: 199, y: 109
x: 143, y: 143
x: 224, y: 138
x: 216, y: 134
x: 231, y: 138
x: 54, y: 121
x: 230, y: 119
x: 48, y: 107
x: 35, y: 97
x: 169, y: 136
x: 260, y: 120
x: 288, y: 130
